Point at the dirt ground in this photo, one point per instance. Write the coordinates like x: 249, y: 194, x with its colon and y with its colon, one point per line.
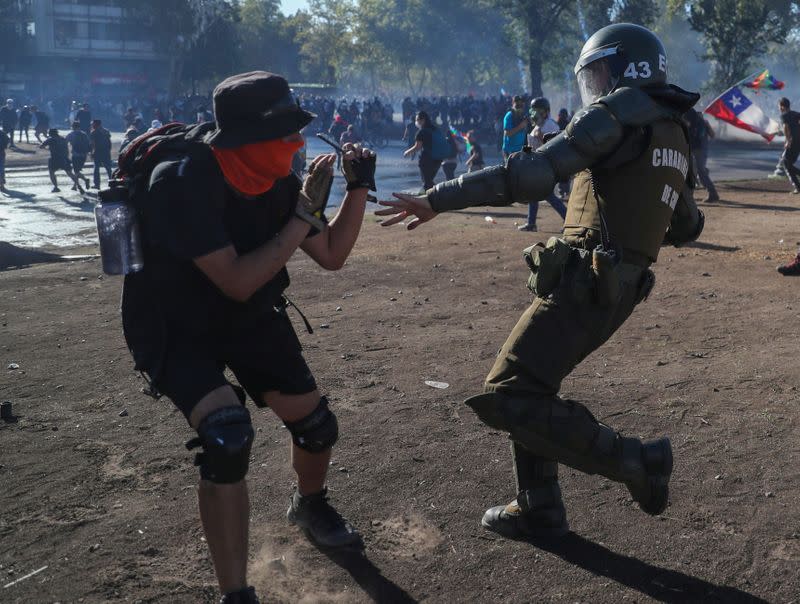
x: 96, y: 485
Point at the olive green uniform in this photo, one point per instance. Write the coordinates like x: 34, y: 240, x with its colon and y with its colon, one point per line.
x: 557, y: 332
x: 631, y: 155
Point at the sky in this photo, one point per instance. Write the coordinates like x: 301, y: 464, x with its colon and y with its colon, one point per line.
x: 290, y: 6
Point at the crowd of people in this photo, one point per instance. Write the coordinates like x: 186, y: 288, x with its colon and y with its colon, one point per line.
x: 439, y: 132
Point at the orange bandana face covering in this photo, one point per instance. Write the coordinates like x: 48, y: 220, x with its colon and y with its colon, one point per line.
x: 253, y: 169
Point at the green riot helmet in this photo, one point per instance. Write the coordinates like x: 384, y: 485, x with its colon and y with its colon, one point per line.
x: 539, y: 106
x: 622, y: 54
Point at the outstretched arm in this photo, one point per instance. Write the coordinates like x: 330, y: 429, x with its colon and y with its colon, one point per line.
x: 594, y: 134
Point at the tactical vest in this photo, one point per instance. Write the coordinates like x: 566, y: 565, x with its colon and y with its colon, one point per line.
x: 637, y: 198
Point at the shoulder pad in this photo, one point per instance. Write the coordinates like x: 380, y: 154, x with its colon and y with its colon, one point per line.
x: 635, y: 108
x: 594, y: 131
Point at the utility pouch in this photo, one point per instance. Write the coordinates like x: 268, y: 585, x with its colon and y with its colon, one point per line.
x: 606, y: 278
x: 547, y: 262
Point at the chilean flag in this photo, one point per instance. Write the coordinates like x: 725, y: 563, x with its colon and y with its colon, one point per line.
x: 736, y: 109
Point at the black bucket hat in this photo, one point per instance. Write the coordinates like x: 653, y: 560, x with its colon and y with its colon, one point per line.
x: 253, y: 107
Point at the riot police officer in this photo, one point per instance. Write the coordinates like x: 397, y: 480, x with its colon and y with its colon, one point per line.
x: 629, y: 150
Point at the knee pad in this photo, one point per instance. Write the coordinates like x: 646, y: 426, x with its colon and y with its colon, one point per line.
x: 226, y: 436
x: 316, y: 432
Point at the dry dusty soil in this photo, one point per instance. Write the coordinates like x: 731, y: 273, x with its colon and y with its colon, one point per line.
x: 96, y: 485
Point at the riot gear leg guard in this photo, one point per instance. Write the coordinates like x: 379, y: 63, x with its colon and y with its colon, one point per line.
x: 565, y: 431
x: 538, y: 510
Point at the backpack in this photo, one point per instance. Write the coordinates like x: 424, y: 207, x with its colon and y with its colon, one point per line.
x: 137, y: 161
x: 440, y: 148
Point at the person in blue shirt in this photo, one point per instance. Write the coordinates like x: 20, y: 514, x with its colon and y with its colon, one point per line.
x: 515, y: 127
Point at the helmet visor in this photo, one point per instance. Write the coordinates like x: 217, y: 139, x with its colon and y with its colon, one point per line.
x: 595, y: 81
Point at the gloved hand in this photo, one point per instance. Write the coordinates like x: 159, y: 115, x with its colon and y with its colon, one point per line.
x: 358, y: 167
x: 313, y: 198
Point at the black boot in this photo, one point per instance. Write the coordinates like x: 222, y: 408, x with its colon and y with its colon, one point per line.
x: 243, y: 596
x: 567, y: 432
x: 538, y: 510
x: 321, y: 522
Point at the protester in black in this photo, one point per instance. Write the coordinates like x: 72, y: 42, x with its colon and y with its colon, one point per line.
x: 101, y: 150
x: 42, y: 123
x: 219, y: 225
x: 4, y: 141
x: 700, y: 133
x: 25, y: 117
x: 8, y: 120
x: 791, y: 148
x: 423, y: 144
x: 59, y: 159
x: 81, y: 145
x: 84, y: 118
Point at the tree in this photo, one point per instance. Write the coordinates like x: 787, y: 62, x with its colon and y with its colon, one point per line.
x: 736, y: 31
x: 326, y: 40
x: 537, y: 24
x: 177, y: 27
x: 268, y: 38
x: 215, y: 52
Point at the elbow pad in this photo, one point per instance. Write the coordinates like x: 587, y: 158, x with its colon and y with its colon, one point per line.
x: 484, y: 187
x: 594, y: 132
x: 680, y: 233
x: 687, y: 221
x: 530, y: 176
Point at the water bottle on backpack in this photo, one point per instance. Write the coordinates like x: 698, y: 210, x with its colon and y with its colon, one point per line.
x: 118, y: 231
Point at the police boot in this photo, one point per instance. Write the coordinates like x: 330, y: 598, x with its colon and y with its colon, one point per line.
x: 321, y: 522
x: 565, y: 431
x: 538, y: 510
x: 243, y: 596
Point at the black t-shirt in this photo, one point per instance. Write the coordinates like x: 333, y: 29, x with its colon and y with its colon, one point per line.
x: 59, y: 149
x: 79, y: 141
x: 792, y: 119
x: 84, y: 117
x: 425, y: 135
x: 101, y: 142
x: 42, y: 120
x: 8, y: 118
x: 190, y: 212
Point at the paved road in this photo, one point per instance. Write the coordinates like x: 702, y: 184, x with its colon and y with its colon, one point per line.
x: 32, y: 216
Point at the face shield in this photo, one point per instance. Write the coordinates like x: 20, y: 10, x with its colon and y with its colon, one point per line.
x: 595, y: 73
x: 595, y: 81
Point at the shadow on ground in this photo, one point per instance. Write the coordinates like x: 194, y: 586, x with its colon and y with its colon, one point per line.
x: 661, y: 584
x: 369, y: 577
x: 12, y: 256
x: 14, y: 194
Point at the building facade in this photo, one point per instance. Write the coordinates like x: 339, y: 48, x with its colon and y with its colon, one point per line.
x: 81, y: 48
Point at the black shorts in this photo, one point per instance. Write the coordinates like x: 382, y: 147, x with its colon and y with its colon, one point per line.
x: 263, y: 352
x: 57, y: 163
x: 78, y: 161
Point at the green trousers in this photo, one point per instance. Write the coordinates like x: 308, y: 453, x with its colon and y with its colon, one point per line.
x: 547, y: 343
x: 556, y: 333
